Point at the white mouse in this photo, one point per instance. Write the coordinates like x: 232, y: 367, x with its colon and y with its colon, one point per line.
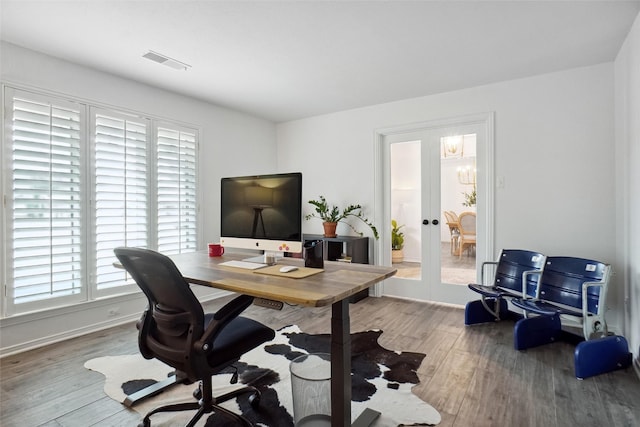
x: 287, y: 268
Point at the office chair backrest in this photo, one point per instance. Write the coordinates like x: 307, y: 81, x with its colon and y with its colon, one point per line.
x: 174, y: 318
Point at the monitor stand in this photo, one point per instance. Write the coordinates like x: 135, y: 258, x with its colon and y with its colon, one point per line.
x: 269, y: 258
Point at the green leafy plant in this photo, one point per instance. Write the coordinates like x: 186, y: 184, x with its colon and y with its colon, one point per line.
x: 470, y: 198
x: 332, y: 213
x: 397, y: 236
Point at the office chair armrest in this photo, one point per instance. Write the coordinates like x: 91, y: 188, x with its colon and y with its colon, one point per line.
x: 233, y: 308
x: 221, y: 318
x: 143, y: 325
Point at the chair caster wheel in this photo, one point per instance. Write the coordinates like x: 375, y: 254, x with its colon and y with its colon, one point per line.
x: 197, y: 393
x: 254, y: 400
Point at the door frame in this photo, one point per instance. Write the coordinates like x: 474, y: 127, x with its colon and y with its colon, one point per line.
x: 485, y: 178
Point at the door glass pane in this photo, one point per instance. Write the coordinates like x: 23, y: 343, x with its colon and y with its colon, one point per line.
x: 458, y: 204
x: 406, y: 208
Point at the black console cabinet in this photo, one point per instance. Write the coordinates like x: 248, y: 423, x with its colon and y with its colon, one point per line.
x: 354, y: 248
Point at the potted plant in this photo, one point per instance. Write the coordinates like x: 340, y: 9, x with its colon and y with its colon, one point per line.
x: 397, y: 242
x: 470, y: 198
x: 332, y: 215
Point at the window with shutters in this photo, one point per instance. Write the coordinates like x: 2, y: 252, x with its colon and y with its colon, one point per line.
x: 45, y: 202
x: 177, y: 198
x: 80, y: 181
x: 120, y: 192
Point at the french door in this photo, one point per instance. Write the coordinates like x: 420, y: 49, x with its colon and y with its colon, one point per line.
x: 423, y: 173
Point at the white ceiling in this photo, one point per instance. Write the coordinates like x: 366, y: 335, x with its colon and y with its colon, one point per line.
x: 284, y: 60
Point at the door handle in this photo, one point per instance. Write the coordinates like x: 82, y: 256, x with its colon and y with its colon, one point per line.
x: 434, y: 222
x: 425, y: 222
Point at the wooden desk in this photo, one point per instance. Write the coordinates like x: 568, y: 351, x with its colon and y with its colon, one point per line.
x: 332, y: 287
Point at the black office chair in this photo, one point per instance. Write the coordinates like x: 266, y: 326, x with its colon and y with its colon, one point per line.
x: 175, y: 330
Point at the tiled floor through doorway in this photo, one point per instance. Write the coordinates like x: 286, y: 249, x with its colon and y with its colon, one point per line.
x: 454, y: 269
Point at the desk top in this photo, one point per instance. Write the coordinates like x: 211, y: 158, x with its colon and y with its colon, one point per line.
x: 338, y: 280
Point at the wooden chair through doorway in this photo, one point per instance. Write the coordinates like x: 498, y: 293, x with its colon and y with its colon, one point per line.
x: 467, y: 227
x: 454, y: 230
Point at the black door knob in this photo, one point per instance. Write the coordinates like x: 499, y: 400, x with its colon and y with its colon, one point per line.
x: 434, y: 222
x: 425, y: 222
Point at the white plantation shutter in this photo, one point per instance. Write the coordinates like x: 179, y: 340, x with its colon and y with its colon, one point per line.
x: 45, y: 215
x: 177, y: 196
x: 79, y: 181
x: 122, y: 200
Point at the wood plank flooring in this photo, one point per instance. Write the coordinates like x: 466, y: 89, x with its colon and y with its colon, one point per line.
x: 471, y: 375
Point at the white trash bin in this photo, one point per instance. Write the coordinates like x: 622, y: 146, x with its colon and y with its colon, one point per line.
x: 311, y: 389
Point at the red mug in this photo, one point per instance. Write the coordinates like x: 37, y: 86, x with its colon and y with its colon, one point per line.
x: 216, y: 249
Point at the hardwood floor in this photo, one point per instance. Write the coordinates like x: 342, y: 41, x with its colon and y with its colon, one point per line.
x: 471, y: 375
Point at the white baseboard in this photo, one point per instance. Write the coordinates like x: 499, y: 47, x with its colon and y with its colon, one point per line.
x: 53, y: 339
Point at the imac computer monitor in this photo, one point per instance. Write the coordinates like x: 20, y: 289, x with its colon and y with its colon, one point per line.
x: 262, y: 212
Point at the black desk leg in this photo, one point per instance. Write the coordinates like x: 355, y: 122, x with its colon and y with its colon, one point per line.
x: 340, y: 364
x: 341, y: 370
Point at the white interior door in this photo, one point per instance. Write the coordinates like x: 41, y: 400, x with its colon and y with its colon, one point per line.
x: 425, y: 172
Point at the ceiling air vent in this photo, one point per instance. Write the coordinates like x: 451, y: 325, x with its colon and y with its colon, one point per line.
x: 165, y: 60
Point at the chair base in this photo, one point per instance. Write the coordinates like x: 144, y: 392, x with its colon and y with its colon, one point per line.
x: 475, y: 311
x: 154, y: 389
x: 207, y: 405
x: 536, y: 331
x: 598, y: 356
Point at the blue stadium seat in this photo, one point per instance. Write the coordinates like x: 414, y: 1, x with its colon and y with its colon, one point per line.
x: 513, y: 268
x: 572, y: 293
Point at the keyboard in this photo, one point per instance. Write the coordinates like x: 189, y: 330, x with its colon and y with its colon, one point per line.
x: 243, y: 264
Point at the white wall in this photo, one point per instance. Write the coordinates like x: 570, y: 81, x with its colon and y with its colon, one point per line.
x: 553, y: 148
x: 231, y: 143
x: 405, y: 196
x: 627, y: 104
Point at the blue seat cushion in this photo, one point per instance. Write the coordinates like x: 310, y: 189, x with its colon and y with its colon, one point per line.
x: 543, y: 308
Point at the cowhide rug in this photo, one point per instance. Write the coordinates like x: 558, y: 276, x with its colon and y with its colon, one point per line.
x: 382, y: 380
